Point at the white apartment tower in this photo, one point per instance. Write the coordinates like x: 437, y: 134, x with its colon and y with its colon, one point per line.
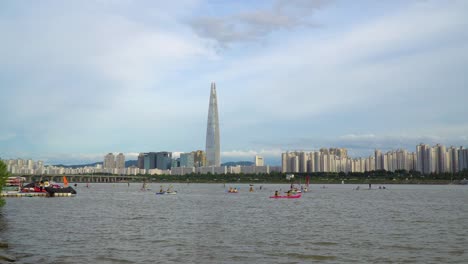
x: 259, y: 161
x: 120, y: 161
x: 378, y: 159
x: 109, y: 161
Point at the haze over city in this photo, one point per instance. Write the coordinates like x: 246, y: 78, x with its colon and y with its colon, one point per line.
x: 79, y: 79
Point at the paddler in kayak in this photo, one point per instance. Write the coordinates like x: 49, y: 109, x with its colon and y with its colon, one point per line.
x: 276, y: 193
x: 288, y: 193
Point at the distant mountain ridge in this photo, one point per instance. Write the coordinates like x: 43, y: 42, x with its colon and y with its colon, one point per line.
x: 130, y: 163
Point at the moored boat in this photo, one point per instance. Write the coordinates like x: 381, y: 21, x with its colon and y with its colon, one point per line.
x: 15, y: 188
x: 13, y: 185
x: 60, y: 191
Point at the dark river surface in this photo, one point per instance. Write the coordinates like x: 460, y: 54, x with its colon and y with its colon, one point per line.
x: 114, y: 223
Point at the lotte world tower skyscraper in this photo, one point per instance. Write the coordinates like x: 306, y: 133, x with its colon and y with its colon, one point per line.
x: 212, y: 131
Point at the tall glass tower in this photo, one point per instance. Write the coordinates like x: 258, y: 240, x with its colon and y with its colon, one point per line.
x: 212, y: 131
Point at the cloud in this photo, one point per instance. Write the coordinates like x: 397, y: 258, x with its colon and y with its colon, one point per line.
x: 130, y: 77
x: 6, y: 136
x: 254, y: 25
x: 376, y: 69
x: 249, y: 154
x: 91, y: 72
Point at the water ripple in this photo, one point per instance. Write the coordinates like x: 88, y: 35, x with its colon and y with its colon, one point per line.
x: 202, y: 224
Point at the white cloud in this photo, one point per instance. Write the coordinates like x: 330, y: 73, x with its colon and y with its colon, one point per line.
x: 7, y: 136
x: 253, y: 25
x: 84, y: 81
x: 384, y: 59
x: 250, y: 154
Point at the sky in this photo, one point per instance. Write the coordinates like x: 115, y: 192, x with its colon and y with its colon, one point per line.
x: 79, y: 79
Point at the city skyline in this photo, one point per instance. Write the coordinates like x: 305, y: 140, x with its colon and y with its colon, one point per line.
x: 294, y: 75
x: 426, y: 160
x: 420, y: 156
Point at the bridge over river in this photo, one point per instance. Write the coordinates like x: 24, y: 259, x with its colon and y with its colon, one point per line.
x: 85, y: 178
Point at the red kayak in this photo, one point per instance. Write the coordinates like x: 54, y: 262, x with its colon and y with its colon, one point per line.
x: 287, y: 197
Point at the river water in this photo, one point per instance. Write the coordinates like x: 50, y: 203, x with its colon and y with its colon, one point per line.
x: 114, y: 223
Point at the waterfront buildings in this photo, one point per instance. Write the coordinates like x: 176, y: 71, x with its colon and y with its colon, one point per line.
x: 187, y: 160
x: 259, y: 161
x: 199, y: 158
x: 141, y: 161
x: 155, y: 160
x: 462, y: 159
x: 438, y: 159
x: 109, y: 161
x: 114, y: 164
x: 422, y: 156
x: 163, y: 160
x: 426, y: 159
x: 213, y: 150
x: 120, y: 161
x: 325, y: 160
x: 190, y: 159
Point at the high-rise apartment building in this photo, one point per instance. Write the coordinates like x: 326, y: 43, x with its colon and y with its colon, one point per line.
x: 378, y: 159
x: 462, y: 159
x: 259, y: 161
x: 199, y: 158
x: 163, y: 160
x: 440, y: 158
x: 157, y: 160
x: 213, y: 150
x: 336, y: 160
x: 187, y: 160
x: 422, y: 155
x: 141, y: 161
x: 109, y: 161
x: 452, y: 159
x: 175, y: 163
x: 120, y: 161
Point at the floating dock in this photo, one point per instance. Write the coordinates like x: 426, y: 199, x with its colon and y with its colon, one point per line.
x: 32, y: 194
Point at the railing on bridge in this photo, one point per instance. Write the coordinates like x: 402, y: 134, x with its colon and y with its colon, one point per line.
x: 84, y: 178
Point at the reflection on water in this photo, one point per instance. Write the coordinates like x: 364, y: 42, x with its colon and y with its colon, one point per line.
x: 114, y: 223
x: 3, y: 224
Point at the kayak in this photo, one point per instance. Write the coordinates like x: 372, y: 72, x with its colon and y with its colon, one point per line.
x: 160, y: 193
x: 287, y: 197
